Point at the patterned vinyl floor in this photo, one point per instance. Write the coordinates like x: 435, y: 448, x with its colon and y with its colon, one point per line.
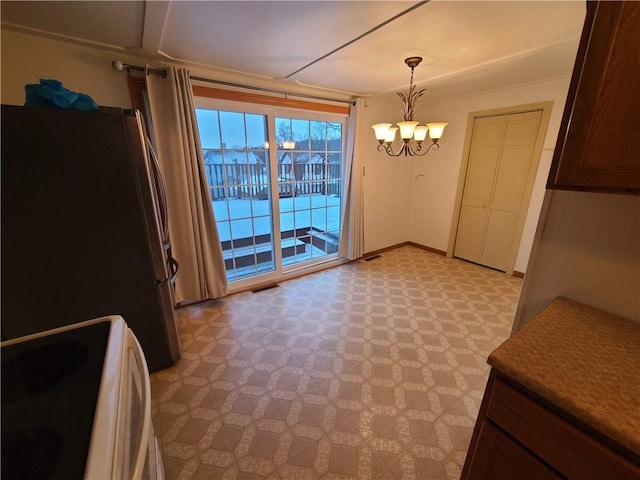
x: 370, y: 370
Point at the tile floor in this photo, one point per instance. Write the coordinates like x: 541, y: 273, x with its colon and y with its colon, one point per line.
x: 370, y: 370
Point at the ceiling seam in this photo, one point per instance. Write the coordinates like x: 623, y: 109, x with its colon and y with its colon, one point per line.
x: 377, y: 27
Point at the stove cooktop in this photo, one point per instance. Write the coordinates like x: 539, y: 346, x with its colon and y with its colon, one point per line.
x: 50, y: 387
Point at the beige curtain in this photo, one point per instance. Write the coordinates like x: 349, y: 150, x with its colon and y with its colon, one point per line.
x: 352, y: 238
x: 194, y: 237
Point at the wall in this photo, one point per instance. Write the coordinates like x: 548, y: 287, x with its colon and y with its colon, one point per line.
x: 386, y: 184
x: 26, y: 59
x: 587, y: 248
x: 435, y: 176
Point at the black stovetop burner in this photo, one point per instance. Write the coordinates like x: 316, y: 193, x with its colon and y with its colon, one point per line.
x: 49, y: 391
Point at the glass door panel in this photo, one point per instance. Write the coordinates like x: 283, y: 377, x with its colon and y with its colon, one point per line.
x: 309, y: 167
x: 236, y: 157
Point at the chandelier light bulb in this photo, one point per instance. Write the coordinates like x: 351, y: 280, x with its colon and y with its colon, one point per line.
x: 406, y: 129
x: 391, y: 135
x: 381, y: 130
x: 420, y: 133
x: 436, y: 130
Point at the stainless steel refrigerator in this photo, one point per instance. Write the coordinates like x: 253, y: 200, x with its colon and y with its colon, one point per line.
x: 84, y: 226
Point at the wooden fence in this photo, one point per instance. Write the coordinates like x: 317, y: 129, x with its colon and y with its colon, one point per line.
x: 252, y: 180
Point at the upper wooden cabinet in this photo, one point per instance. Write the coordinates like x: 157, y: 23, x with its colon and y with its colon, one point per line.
x: 598, y: 146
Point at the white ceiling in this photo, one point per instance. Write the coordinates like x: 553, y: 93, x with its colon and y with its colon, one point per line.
x: 349, y: 47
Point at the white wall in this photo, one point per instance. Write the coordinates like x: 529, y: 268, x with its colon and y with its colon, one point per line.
x: 587, y: 248
x: 387, y: 184
x: 27, y: 59
x: 434, y: 194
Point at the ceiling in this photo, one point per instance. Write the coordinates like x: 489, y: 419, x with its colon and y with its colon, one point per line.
x: 342, y: 47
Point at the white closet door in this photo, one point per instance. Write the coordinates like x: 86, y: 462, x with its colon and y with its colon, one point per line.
x: 499, y: 166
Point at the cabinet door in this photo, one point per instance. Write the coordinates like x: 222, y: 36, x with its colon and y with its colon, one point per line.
x: 598, y: 146
x: 500, y: 457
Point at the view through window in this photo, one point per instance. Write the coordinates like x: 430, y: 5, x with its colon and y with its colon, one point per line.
x: 275, y: 184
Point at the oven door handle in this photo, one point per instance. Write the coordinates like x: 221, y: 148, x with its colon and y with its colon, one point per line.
x: 143, y: 440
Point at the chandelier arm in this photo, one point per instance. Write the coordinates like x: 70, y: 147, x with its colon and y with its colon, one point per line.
x: 407, y: 149
x: 433, y: 146
x: 388, y: 149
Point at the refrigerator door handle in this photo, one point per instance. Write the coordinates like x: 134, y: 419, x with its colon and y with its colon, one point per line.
x: 174, y: 268
x: 160, y: 190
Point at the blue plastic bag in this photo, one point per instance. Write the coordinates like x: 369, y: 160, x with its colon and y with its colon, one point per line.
x: 51, y: 93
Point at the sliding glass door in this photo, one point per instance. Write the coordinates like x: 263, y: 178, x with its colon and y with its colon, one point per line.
x: 309, y: 164
x: 275, y: 183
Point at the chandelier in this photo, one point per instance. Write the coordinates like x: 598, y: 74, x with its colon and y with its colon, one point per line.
x: 412, y: 134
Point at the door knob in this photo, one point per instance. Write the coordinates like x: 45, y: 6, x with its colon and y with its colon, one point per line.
x: 484, y: 205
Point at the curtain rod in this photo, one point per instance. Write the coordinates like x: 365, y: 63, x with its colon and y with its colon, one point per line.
x: 118, y: 65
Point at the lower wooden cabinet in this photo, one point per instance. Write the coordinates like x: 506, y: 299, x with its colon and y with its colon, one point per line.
x: 503, y: 457
x: 518, y: 438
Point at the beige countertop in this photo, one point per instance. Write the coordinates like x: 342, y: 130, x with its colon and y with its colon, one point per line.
x: 583, y: 360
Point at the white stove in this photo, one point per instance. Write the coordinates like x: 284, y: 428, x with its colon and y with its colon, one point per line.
x: 76, y: 404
